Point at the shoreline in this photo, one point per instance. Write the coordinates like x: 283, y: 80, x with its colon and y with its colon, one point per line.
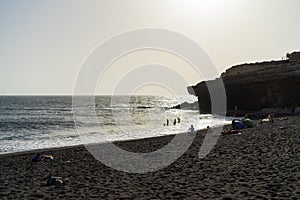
x: 79, y: 145
x: 261, y: 163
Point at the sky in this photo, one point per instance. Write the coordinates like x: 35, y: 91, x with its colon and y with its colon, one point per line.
x: 45, y: 43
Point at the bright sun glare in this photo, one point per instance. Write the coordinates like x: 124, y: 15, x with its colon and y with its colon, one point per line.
x: 202, y: 7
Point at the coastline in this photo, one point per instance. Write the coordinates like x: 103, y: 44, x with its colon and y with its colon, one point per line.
x: 82, y: 145
x: 50, y: 149
x: 262, y: 162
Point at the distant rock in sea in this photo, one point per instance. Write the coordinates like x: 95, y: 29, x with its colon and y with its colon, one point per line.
x: 187, y: 106
x: 273, y: 85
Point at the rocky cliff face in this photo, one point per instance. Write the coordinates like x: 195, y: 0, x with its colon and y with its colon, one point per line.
x: 253, y: 87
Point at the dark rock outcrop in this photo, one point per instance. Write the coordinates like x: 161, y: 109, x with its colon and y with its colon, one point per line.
x: 257, y: 86
x: 187, y: 106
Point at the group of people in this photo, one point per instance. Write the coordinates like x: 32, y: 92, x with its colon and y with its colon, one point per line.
x: 174, y: 121
x: 237, y: 124
x: 191, y: 130
x: 51, y: 180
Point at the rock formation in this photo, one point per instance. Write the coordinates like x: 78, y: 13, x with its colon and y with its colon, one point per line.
x: 257, y: 86
x: 187, y: 106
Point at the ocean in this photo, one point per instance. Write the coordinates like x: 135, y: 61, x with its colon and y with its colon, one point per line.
x: 37, y: 122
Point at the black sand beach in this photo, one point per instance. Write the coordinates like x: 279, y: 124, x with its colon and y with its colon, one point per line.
x: 261, y: 163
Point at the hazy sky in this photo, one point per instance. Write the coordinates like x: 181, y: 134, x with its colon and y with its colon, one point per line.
x: 44, y: 43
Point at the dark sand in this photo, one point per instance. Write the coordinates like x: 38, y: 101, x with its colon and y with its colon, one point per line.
x: 262, y: 163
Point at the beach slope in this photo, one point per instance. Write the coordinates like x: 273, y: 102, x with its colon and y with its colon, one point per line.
x: 261, y: 163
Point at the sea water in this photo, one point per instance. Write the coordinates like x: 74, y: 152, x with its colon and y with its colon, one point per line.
x: 36, y: 122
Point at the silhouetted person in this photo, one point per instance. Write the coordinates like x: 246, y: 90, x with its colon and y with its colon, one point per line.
x: 174, y: 122
x: 167, y: 122
x: 178, y: 120
x: 207, y: 129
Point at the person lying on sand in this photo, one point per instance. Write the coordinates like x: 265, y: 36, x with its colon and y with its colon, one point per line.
x: 269, y: 119
x: 229, y: 132
x: 56, y: 180
x: 39, y: 157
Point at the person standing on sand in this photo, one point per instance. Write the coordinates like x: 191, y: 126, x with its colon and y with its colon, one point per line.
x: 207, y: 129
x: 191, y: 130
x: 178, y: 120
x: 167, y: 122
x: 174, y: 122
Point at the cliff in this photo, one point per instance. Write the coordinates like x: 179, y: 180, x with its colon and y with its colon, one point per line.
x: 257, y: 86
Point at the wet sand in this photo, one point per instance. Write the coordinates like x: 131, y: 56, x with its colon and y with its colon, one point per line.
x: 261, y: 163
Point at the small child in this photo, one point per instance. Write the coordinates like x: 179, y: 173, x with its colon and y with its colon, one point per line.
x: 191, y: 130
